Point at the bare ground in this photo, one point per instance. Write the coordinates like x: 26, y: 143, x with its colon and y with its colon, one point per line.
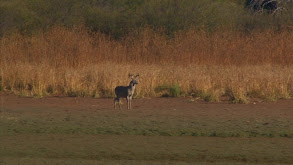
x: 67, y: 130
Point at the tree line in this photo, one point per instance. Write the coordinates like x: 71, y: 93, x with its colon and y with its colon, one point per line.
x: 119, y: 17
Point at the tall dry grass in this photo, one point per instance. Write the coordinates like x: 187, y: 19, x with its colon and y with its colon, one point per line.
x: 207, y: 65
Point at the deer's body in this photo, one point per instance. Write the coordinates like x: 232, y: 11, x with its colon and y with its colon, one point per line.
x: 125, y: 92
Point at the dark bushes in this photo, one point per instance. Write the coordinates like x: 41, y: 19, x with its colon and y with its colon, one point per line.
x: 119, y: 17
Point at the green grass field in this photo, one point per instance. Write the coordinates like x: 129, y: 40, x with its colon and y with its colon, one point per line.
x: 124, y: 149
x: 156, y: 131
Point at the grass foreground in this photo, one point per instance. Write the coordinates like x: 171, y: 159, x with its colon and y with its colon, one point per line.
x: 64, y: 130
x: 124, y: 149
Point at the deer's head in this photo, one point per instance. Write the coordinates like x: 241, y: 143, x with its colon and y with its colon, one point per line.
x: 133, y: 81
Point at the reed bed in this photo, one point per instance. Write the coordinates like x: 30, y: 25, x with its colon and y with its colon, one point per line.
x: 73, y: 62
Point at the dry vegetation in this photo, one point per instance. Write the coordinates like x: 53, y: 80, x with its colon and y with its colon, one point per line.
x: 74, y: 62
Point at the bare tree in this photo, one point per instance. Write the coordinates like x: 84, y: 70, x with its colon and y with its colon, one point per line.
x: 258, y: 5
x: 271, y: 6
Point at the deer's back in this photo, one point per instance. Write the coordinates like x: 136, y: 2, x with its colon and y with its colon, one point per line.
x: 121, y: 91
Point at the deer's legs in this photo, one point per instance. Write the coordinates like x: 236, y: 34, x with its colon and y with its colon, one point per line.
x: 129, y: 98
x: 117, y: 99
x: 127, y: 102
x: 115, y: 103
x: 119, y: 103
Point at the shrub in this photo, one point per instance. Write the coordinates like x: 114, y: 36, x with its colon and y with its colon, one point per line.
x: 168, y: 90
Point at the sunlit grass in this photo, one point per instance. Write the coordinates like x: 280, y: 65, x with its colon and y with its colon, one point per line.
x: 200, y: 64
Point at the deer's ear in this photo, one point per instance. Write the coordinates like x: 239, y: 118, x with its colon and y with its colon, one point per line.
x: 130, y: 75
x: 137, y: 76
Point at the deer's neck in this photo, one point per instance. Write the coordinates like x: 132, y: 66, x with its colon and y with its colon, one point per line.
x: 131, y: 89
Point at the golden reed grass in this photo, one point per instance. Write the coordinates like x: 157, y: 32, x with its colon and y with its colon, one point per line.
x: 207, y: 65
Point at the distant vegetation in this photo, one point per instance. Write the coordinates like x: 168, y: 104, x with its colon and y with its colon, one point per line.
x: 118, y: 17
x: 207, y: 49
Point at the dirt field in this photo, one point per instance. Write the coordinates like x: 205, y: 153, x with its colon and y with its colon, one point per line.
x: 67, y: 130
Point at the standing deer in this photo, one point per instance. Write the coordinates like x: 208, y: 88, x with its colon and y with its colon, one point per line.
x: 126, y: 92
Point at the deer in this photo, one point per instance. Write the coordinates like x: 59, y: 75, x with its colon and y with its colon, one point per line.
x: 126, y: 92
